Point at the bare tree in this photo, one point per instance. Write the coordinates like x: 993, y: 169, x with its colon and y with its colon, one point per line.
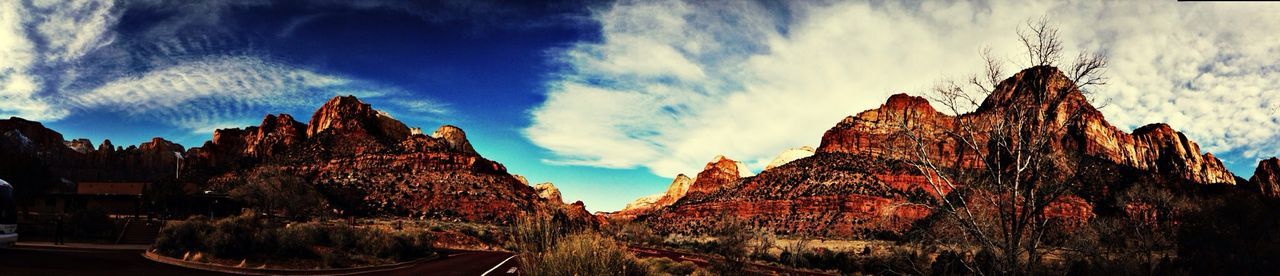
x: 1041, y: 40
x: 999, y: 170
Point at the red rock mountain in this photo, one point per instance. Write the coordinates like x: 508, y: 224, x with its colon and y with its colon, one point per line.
x: 721, y: 172
x: 1266, y: 179
x: 361, y: 159
x: 853, y: 187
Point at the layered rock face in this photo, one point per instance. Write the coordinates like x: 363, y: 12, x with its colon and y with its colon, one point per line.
x: 348, y: 115
x: 832, y: 195
x: 1266, y: 178
x: 855, y: 184
x: 717, y: 174
x: 1155, y: 147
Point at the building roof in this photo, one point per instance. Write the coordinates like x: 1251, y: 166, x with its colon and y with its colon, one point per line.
x: 110, y: 188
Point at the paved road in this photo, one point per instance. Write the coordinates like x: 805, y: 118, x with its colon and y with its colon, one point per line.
x: 50, y: 262
x: 58, y: 262
x: 466, y: 263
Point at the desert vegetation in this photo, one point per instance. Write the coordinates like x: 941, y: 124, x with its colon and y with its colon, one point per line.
x: 547, y: 247
x: 249, y: 238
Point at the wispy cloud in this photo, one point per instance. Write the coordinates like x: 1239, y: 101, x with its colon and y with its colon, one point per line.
x: 671, y: 84
x: 58, y: 58
x: 44, y: 36
x: 216, y: 91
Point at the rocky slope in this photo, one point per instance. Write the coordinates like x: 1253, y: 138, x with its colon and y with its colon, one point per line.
x: 856, y: 186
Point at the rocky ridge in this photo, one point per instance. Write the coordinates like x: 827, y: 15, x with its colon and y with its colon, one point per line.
x: 646, y: 204
x: 854, y: 187
x: 363, y: 160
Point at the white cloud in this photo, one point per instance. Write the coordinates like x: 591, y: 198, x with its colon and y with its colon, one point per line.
x: 198, y: 82
x: 672, y: 84
x: 220, y: 92
x: 44, y: 35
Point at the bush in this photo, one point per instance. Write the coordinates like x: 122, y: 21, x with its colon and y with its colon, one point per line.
x: 179, y: 237
x: 583, y: 254
x: 663, y: 266
x: 234, y: 237
x: 275, y: 192
x: 732, y: 238
x: 248, y: 237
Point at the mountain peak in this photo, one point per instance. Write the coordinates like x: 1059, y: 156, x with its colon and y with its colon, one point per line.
x: 349, y: 115
x: 1266, y: 178
x: 455, y: 137
x: 718, y: 173
x: 1029, y: 87
x: 548, y: 191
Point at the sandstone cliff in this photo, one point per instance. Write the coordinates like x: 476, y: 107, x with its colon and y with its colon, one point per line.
x: 855, y: 185
x: 721, y: 172
x: 1266, y: 178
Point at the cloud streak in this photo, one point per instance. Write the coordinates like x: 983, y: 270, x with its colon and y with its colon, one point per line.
x: 58, y: 58
x: 672, y: 83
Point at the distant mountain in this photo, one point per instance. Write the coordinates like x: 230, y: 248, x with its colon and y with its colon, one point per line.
x: 856, y: 184
x: 643, y: 205
x: 363, y: 160
x: 789, y: 155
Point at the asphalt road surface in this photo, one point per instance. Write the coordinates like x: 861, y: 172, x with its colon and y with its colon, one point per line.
x: 58, y: 262
x: 469, y: 263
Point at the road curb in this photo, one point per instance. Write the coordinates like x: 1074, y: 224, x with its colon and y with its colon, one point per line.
x: 279, y: 271
x: 82, y: 246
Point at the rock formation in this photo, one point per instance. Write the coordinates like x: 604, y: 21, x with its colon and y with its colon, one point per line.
x: 81, y: 145
x: 454, y: 137
x: 790, y: 155
x: 348, y: 115
x: 548, y: 191
x: 1266, y: 178
x: 1155, y: 147
x: 721, y: 172
x: 364, y: 161
x: 646, y: 204
x: 855, y: 185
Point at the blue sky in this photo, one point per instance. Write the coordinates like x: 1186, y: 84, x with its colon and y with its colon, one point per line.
x: 609, y: 100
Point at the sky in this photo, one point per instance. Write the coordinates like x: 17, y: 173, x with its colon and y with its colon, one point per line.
x: 610, y: 100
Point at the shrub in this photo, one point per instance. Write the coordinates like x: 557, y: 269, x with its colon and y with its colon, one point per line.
x: 732, y: 236
x: 248, y: 237
x: 179, y: 237
x: 663, y: 266
x: 535, y: 233
x: 234, y: 236
x: 583, y: 254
